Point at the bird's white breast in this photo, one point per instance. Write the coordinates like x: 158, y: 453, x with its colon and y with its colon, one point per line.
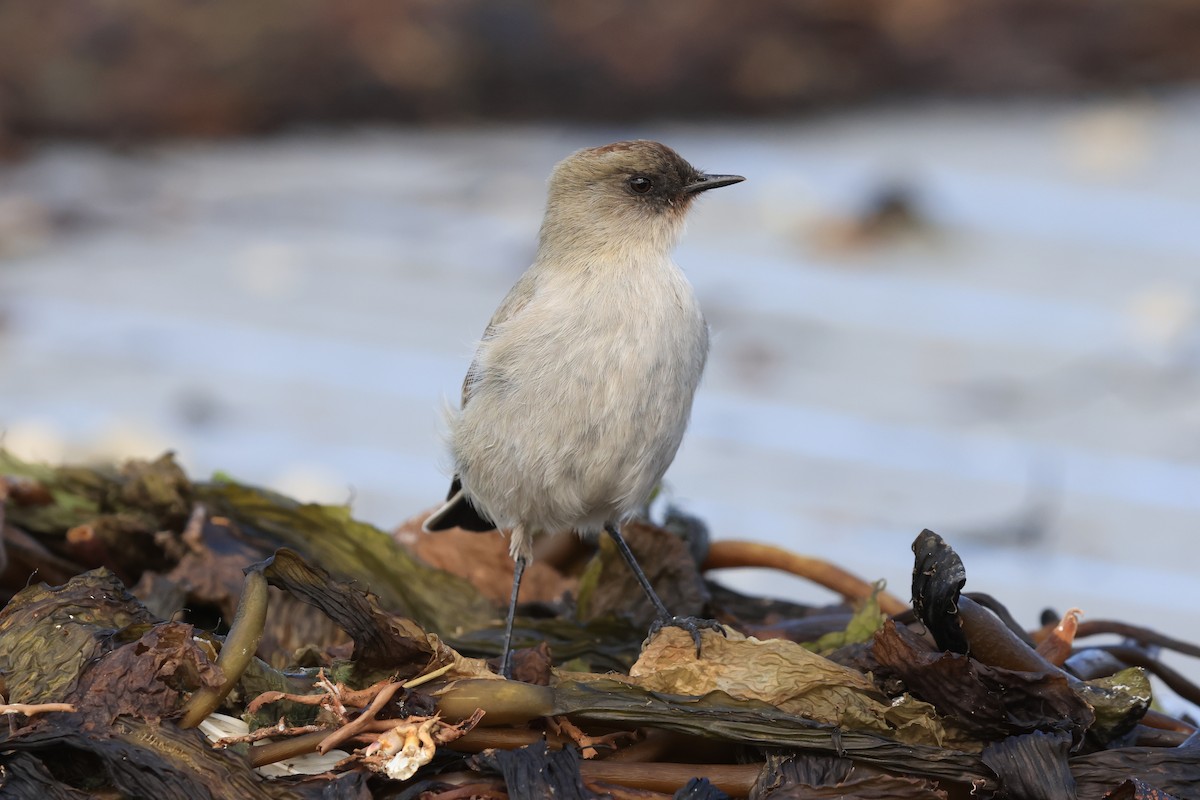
x: 581, y: 398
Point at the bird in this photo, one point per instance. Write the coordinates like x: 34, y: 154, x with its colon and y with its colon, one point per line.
x: 581, y: 387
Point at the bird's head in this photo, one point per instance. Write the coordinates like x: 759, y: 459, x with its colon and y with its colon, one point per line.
x: 627, y: 194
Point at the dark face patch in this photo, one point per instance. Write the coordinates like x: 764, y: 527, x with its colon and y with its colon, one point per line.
x: 656, y: 174
x: 640, y: 174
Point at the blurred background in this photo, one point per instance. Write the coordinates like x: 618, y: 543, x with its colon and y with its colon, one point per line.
x: 959, y: 289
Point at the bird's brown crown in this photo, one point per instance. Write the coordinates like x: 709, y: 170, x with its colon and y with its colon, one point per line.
x: 647, y: 172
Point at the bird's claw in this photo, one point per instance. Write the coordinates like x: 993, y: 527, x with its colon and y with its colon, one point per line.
x: 692, y: 625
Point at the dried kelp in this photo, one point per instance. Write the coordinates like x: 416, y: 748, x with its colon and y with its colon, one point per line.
x: 349, y: 549
x: 367, y: 652
x: 48, y: 635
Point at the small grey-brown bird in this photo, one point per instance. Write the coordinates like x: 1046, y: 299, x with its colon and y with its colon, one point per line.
x: 582, y: 385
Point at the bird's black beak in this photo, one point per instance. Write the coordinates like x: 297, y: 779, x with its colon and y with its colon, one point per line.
x: 705, y: 182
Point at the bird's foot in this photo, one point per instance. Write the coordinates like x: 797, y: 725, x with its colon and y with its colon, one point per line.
x: 692, y: 625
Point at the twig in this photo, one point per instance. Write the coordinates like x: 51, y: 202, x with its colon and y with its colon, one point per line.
x: 359, y: 723
x: 268, y: 732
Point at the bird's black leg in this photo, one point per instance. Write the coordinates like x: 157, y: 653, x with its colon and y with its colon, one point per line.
x: 506, y: 662
x: 692, y: 625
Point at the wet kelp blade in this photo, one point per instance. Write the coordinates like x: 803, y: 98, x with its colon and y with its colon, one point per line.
x: 938, y: 579
x: 91, y: 644
x: 381, y: 640
x: 601, y: 645
x: 536, y: 771
x: 27, y: 778
x: 808, y: 769
x: 347, y: 548
x: 139, y: 759
x: 120, y: 688
x: 1033, y: 766
x: 1120, y: 701
x: 1174, y: 770
x: 124, y: 509
x: 147, y: 678
x: 719, y: 716
x: 49, y: 634
x: 608, y: 588
x: 988, y: 702
x: 990, y: 677
x: 802, y: 776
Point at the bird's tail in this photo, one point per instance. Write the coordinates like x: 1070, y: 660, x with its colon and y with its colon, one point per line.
x: 457, y: 512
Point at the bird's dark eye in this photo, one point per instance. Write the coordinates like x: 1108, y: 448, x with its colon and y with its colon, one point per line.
x: 640, y: 184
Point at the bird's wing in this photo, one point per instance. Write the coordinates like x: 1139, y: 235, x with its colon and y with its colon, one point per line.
x: 518, y: 297
x: 457, y: 511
